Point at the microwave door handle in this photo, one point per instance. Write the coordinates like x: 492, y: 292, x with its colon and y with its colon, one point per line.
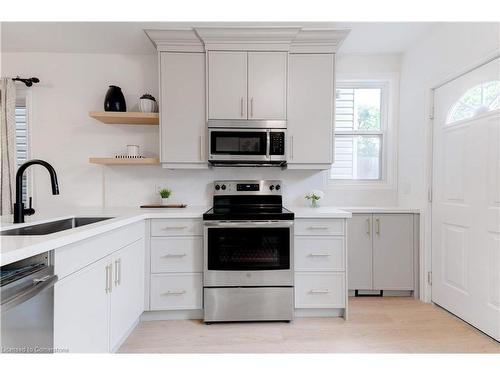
x: 268, y: 144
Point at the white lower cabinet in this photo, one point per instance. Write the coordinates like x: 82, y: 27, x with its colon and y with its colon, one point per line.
x: 320, y: 290
x: 97, y: 306
x: 176, y: 279
x: 176, y: 291
x: 320, y: 266
x: 81, y: 310
x: 382, y: 250
x: 127, y: 294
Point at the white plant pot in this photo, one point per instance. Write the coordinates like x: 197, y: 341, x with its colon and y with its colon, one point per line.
x: 164, y: 201
x: 147, y: 105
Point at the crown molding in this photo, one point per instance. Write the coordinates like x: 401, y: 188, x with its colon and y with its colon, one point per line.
x: 175, y: 40
x: 292, y: 39
x: 317, y: 40
x: 241, y: 38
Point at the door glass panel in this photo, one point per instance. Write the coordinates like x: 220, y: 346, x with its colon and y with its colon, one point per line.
x: 239, y: 143
x: 236, y: 249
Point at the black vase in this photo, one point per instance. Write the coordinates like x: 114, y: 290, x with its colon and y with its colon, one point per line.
x: 114, y: 100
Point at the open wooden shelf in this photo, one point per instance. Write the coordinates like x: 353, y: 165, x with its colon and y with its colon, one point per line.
x: 127, y: 118
x: 124, y: 161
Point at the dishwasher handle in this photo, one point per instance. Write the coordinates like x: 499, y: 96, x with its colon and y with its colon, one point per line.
x: 39, y: 285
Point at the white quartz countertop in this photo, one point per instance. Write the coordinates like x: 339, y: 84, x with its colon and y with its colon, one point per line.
x: 14, y: 248
x: 381, y: 210
x: 302, y: 212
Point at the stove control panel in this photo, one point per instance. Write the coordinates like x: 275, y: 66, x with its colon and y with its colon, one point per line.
x: 248, y: 187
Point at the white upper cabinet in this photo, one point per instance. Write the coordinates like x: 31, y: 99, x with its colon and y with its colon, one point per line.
x: 227, y: 85
x: 182, y: 112
x: 311, y: 100
x: 231, y: 75
x: 267, y: 73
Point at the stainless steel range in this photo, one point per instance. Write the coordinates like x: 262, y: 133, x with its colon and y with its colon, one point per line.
x: 248, y: 253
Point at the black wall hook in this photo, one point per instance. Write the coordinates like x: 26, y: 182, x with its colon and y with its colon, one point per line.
x: 27, y: 81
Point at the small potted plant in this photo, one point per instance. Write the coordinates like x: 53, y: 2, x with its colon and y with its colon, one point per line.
x: 165, y: 194
x: 147, y: 103
x: 314, y: 196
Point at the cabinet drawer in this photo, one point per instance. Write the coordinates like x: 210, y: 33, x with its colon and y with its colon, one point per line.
x: 176, y: 227
x: 319, y: 290
x: 319, y: 253
x: 319, y: 227
x: 176, y: 254
x: 180, y: 291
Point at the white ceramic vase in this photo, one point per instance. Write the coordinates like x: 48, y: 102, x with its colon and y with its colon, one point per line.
x: 164, y: 201
x: 147, y: 105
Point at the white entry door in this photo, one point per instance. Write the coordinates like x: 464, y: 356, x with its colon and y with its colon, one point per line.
x: 466, y: 198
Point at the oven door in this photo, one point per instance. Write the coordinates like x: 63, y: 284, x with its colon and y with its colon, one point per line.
x: 248, y: 253
x: 238, y: 145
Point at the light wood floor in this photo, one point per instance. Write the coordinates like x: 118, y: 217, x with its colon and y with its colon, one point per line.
x: 380, y: 325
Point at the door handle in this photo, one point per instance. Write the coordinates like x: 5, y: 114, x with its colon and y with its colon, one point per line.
x: 116, y: 272
x: 109, y: 277
x: 317, y: 227
x: 319, y: 291
x: 241, y: 107
x: 174, y: 255
x: 377, y: 224
x: 177, y: 227
x: 174, y: 292
x: 368, y: 227
x: 291, y: 147
x: 251, y: 107
x: 319, y: 255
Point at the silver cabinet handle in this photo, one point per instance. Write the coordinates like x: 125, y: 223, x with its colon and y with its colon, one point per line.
x: 319, y: 255
x: 119, y: 272
x: 116, y: 272
x: 291, y: 147
x: 174, y: 292
x: 109, y: 277
x: 241, y: 108
x: 368, y: 226
x: 317, y: 227
x: 377, y: 221
x: 319, y: 291
x: 174, y: 228
x: 251, y: 107
x: 174, y: 255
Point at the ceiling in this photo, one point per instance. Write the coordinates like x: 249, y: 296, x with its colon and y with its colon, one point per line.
x: 129, y: 37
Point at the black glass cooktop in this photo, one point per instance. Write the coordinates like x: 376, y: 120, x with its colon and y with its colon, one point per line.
x: 248, y: 212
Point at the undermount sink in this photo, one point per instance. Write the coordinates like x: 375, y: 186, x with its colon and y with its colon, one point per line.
x: 53, y: 226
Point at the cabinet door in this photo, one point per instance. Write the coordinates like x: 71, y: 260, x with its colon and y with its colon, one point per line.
x: 182, y: 82
x: 227, y: 85
x: 393, y: 251
x: 359, y: 250
x: 127, y: 298
x: 267, y: 73
x: 81, y: 310
x: 311, y: 100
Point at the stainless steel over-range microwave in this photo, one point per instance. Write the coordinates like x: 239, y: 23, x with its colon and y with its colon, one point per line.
x: 246, y: 143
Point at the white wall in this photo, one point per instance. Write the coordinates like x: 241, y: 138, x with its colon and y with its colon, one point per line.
x: 447, y: 50
x: 63, y: 134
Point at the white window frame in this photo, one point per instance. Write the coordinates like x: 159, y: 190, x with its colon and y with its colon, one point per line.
x: 24, y: 94
x: 389, y: 83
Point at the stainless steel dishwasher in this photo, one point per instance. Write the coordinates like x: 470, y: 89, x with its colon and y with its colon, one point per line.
x: 27, y: 305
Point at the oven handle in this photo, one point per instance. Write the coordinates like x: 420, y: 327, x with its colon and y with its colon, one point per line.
x: 249, y: 224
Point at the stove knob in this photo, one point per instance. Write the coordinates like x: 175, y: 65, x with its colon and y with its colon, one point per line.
x: 271, y: 187
x: 223, y: 187
x: 278, y: 187
x: 217, y: 187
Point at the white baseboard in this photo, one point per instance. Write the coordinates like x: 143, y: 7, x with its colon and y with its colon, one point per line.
x: 318, y: 313
x: 171, y: 315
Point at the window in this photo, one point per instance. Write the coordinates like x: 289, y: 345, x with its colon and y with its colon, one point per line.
x: 22, y: 139
x: 479, y: 99
x: 360, y: 131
